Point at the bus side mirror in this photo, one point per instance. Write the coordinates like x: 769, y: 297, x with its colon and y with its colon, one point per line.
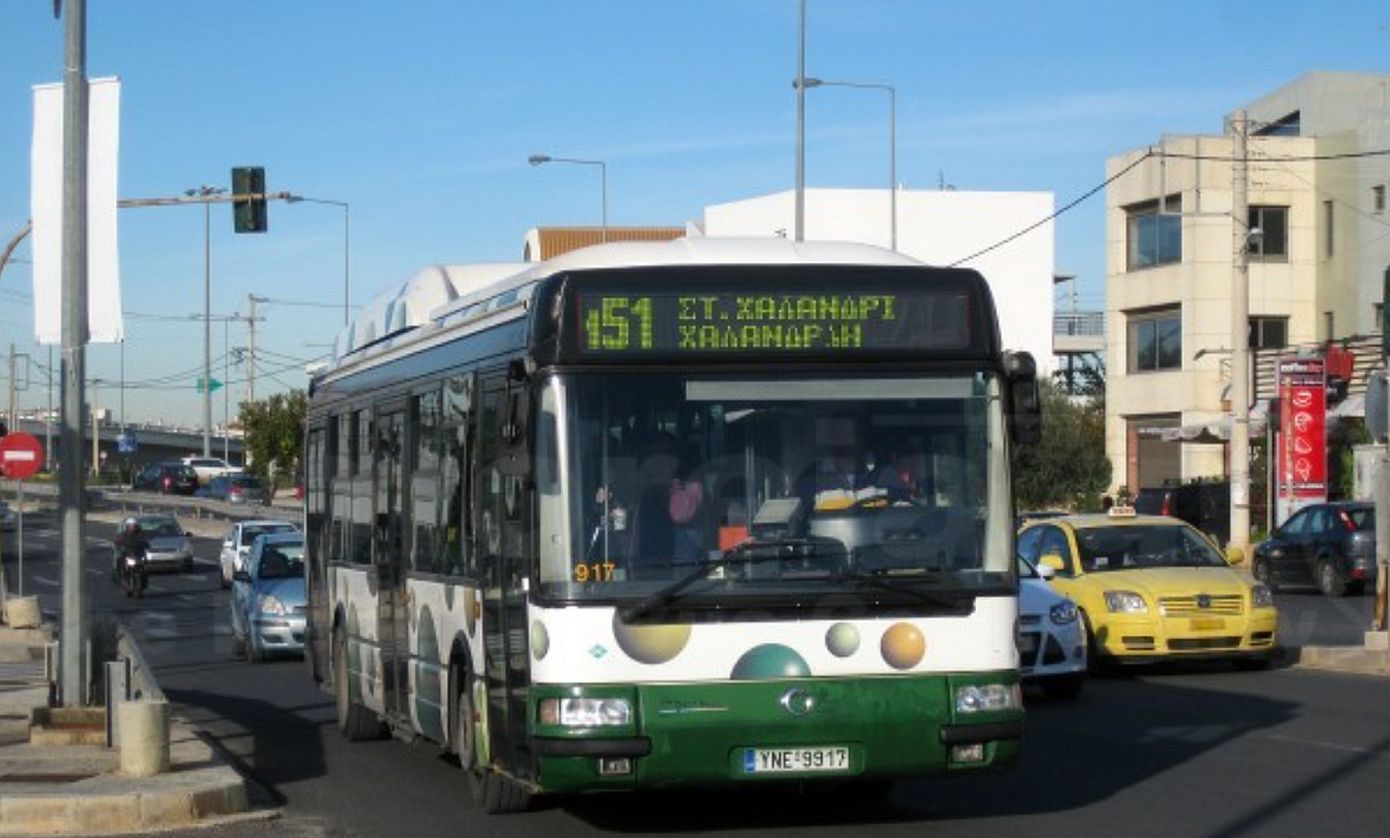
x: 514, y: 458
x: 1024, y: 402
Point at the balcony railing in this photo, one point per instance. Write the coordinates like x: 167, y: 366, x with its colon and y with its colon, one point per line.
x: 1079, y: 323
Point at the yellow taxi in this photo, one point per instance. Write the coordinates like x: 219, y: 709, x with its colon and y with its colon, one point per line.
x: 1153, y: 588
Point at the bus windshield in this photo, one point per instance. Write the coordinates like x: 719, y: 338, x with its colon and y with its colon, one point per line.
x: 647, y: 478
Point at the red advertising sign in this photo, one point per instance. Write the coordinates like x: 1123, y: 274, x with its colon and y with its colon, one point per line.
x: 1302, y: 433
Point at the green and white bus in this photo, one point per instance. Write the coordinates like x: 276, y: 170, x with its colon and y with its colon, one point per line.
x: 687, y: 514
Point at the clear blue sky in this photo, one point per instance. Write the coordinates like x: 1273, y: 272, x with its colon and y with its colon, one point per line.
x: 421, y: 114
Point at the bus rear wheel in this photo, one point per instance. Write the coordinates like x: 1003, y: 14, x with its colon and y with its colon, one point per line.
x: 495, y: 793
x: 355, y: 722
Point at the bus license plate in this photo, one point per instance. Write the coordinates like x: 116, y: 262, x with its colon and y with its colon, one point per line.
x: 1207, y: 623
x: 793, y: 760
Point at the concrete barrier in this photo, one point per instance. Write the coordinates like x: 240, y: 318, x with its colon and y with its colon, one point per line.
x: 23, y: 612
x: 143, y: 730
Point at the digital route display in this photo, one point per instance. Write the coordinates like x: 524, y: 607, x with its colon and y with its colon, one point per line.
x: 821, y: 323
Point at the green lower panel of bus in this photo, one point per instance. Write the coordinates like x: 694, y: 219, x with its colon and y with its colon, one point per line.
x: 701, y: 735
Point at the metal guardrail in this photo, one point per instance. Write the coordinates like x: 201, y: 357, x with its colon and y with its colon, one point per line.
x: 142, y: 683
x: 125, y: 499
x: 1078, y: 323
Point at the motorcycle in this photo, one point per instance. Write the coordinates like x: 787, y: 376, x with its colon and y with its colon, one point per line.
x: 134, y: 578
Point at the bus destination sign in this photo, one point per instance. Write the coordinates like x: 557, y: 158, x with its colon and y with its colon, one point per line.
x: 816, y: 323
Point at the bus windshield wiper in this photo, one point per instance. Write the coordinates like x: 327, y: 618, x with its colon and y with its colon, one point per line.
x: 750, y: 552
x: 894, y: 584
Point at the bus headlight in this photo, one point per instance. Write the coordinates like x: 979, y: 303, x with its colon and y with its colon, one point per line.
x: 584, y: 712
x: 1261, y: 596
x: 1125, y: 602
x: 987, y: 698
x: 1063, y: 613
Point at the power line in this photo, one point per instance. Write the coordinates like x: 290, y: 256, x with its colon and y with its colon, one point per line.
x: 1300, y: 158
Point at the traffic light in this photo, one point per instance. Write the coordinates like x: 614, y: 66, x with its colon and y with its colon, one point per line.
x: 248, y: 199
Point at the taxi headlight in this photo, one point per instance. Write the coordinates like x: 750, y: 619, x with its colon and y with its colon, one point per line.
x: 986, y: 698
x: 1062, y: 613
x: 1125, y: 602
x: 585, y: 712
x: 1261, y: 596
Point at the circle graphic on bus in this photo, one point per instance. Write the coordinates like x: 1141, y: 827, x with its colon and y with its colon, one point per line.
x: 540, y: 640
x: 650, y: 644
x: 470, y: 610
x: 770, y: 660
x: 842, y: 639
x: 903, y: 646
x: 428, y: 695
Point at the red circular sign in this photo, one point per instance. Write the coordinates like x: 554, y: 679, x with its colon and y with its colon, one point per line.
x: 21, y: 455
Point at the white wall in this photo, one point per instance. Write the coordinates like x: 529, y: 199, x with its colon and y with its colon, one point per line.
x: 936, y: 227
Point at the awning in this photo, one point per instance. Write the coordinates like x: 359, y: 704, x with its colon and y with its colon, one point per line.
x: 1213, y: 432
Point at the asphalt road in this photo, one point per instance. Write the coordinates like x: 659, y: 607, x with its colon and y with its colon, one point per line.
x: 1170, y: 752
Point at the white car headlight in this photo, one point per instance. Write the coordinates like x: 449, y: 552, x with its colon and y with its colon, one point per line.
x: 1063, y: 612
x: 1125, y: 602
x: 270, y: 604
x: 985, y: 698
x: 1261, y: 596
x: 585, y: 712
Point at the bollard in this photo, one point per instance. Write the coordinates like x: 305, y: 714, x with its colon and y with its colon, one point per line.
x: 23, y: 612
x: 143, y: 728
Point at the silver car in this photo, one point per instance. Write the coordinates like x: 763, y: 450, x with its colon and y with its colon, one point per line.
x: 171, y: 548
x: 268, y: 605
x: 237, y: 543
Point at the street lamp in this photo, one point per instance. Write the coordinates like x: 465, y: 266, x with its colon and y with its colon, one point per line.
x: 347, y: 238
x: 541, y: 159
x: 205, y: 192
x: 808, y: 83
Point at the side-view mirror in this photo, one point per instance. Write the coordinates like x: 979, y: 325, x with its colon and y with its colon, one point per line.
x: 1235, y: 556
x: 1052, y: 562
x: 241, y: 576
x: 514, y: 458
x: 1024, y: 401
x: 1047, y: 571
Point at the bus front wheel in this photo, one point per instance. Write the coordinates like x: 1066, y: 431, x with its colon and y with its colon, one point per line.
x: 494, y: 792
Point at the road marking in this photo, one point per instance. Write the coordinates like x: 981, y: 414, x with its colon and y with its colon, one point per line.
x: 44, y: 580
x: 1331, y: 746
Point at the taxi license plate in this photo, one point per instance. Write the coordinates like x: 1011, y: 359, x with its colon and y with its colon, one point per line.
x: 795, y: 760
x: 1207, y: 623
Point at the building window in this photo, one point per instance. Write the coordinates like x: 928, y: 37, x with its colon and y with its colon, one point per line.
x: 1269, y: 332
x: 1155, y: 340
x: 1327, y: 217
x: 1378, y: 198
x: 1155, y: 233
x: 1272, y: 245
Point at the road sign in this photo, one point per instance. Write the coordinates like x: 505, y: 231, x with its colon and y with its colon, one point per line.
x: 126, y: 443
x: 21, y: 455
x: 216, y: 385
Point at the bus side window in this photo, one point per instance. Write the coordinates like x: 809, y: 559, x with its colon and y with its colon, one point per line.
x: 424, y: 487
x: 362, y: 488
x: 457, y: 452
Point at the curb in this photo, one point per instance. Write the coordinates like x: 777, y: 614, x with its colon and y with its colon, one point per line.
x: 1347, y: 659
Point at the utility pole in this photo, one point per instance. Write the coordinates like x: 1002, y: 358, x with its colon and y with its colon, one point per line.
x: 799, y: 231
x: 251, y: 351
x: 1240, y: 342
x: 71, y: 486
x: 10, y: 424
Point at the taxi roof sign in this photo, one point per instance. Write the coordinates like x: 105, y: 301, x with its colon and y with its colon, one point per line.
x: 1122, y: 512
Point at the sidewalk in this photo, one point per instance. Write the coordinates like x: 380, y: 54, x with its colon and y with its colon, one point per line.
x: 78, y: 789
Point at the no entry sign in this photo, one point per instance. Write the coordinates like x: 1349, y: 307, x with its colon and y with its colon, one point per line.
x: 21, y: 455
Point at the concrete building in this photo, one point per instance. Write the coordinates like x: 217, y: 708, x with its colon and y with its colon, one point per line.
x: 937, y: 227
x: 1315, y: 266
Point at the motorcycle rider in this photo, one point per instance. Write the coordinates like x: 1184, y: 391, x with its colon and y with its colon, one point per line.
x: 130, y: 541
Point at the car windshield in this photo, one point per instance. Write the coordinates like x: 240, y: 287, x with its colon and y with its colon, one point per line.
x: 282, y: 561
x: 160, y: 526
x: 659, y: 474
x: 1138, y: 546
x: 248, y: 534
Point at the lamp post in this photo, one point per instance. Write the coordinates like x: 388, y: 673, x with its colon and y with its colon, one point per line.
x: 206, y: 192
x: 347, y: 239
x: 541, y: 159
x: 808, y: 83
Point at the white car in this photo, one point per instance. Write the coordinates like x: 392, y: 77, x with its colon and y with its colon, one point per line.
x: 1051, y: 640
x: 209, y: 467
x: 237, y: 543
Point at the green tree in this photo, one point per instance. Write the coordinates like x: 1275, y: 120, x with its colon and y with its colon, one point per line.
x: 1069, y: 467
x: 274, y: 429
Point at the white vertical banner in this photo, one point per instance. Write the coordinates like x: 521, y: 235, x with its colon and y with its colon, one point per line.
x: 46, y: 210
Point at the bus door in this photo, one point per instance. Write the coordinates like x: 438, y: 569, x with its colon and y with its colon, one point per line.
x: 389, y: 531
x: 504, y: 519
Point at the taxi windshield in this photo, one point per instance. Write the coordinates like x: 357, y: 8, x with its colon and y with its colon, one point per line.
x: 661, y: 474
x: 1138, y: 546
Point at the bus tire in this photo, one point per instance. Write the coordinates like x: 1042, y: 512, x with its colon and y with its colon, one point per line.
x: 495, y: 793
x: 355, y: 722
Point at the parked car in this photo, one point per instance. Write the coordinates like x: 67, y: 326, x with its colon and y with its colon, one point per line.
x: 209, y: 467
x: 238, y: 540
x: 1051, y: 642
x: 268, y: 604
x: 236, y: 488
x: 167, y: 478
x: 1328, y: 545
x: 1153, y: 588
x: 171, y: 548
x: 1205, y: 505
x: 8, y: 518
